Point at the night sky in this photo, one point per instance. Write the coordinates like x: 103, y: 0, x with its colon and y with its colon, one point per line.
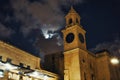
x: 35, y: 25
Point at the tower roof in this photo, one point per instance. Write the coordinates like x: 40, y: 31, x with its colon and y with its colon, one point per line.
x: 72, y: 10
x: 72, y: 18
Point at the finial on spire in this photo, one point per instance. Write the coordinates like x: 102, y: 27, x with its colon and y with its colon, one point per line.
x: 71, y: 7
x: 72, y: 10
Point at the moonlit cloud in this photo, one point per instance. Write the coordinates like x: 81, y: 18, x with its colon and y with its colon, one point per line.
x: 49, y: 30
x: 113, y: 47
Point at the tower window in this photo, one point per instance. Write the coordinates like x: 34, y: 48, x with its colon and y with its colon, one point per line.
x: 70, y: 21
x: 77, y: 20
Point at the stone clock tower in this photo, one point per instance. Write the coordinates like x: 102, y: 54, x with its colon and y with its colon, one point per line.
x: 74, y: 47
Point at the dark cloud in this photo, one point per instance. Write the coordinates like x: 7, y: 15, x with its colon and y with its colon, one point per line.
x: 5, y: 32
x: 26, y: 17
x: 5, y: 10
x: 6, y: 14
x: 113, y: 47
x: 49, y: 45
x: 43, y: 15
x: 35, y: 14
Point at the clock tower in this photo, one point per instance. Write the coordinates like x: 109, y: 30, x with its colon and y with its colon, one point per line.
x: 74, y: 47
x: 73, y: 34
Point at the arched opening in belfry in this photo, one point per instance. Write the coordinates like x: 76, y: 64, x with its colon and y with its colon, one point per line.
x: 77, y: 21
x: 70, y: 21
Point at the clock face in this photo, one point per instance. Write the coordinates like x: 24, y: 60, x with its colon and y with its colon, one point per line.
x: 81, y: 38
x: 69, y: 37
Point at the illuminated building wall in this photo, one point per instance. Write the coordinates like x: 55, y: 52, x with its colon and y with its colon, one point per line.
x: 17, y: 56
x: 16, y: 64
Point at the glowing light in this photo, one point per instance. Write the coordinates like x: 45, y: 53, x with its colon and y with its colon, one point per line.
x: 1, y: 74
x: 36, y: 74
x: 8, y: 66
x: 46, y: 36
x: 1, y: 64
x: 49, y: 31
x: 45, y: 77
x: 114, y: 61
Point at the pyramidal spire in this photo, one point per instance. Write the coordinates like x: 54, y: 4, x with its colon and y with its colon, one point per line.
x: 72, y: 10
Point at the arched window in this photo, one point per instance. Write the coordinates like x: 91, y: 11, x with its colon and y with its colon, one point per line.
x: 77, y: 20
x: 70, y: 21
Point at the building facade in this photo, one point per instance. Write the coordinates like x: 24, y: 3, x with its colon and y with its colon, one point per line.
x: 74, y: 63
x: 79, y: 63
x: 16, y: 64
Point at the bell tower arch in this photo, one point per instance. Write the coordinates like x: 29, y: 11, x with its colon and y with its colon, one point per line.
x: 72, y: 18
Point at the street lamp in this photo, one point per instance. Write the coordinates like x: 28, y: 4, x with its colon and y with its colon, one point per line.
x: 114, y: 61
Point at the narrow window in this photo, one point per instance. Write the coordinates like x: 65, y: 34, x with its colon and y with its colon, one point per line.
x: 8, y: 60
x: 93, y: 77
x: 83, y: 60
x: 0, y: 58
x: 70, y: 21
x: 77, y: 20
x: 85, y: 76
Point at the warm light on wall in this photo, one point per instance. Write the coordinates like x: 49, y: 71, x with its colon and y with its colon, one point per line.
x: 114, y: 61
x: 45, y: 77
x: 8, y: 66
x: 36, y: 74
x: 1, y: 74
